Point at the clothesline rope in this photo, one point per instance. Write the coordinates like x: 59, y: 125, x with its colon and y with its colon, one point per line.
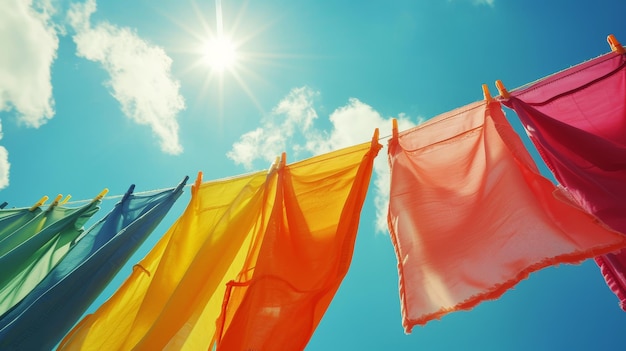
x: 114, y: 197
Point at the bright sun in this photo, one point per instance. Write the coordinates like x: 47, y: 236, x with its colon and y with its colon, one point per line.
x: 220, y: 54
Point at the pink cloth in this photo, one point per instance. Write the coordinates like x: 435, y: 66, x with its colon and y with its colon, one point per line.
x: 470, y: 215
x: 577, y: 121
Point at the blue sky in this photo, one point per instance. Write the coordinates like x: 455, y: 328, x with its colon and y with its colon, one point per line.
x: 102, y: 94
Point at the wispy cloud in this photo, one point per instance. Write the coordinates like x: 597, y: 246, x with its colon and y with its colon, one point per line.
x: 484, y: 2
x: 29, y: 46
x: 290, y: 127
x: 140, y: 73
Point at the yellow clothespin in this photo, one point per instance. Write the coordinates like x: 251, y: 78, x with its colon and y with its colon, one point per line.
x: 394, y: 128
x: 274, y: 165
x: 486, y: 94
x: 67, y: 198
x: 615, y: 45
x: 502, y: 90
x: 39, y: 203
x: 56, y: 200
x: 101, y: 195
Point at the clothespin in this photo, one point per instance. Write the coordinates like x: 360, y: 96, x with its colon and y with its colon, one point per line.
x: 67, y: 198
x: 615, y: 45
x: 274, y: 165
x: 56, y: 201
x: 101, y: 195
x: 39, y: 203
x: 394, y: 128
x: 283, y: 160
x: 198, y: 182
x: 502, y: 90
x: 486, y: 94
x: 3, y: 205
x: 375, y: 137
x: 130, y: 190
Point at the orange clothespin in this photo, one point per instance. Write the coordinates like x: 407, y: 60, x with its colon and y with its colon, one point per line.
x: 486, y: 94
x: 375, y: 137
x: 283, y: 160
x: 197, y: 183
x: 39, y: 203
x: 101, y: 195
x: 394, y: 128
x: 502, y: 90
x: 615, y: 45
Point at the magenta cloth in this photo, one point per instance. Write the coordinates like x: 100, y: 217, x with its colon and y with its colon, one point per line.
x: 577, y: 120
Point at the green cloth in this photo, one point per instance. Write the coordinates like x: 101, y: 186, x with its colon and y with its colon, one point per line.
x: 29, y: 253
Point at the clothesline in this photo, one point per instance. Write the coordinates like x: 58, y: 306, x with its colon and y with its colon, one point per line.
x: 615, y: 47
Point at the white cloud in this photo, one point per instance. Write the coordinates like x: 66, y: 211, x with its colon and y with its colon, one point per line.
x: 4, y: 165
x: 292, y: 117
x: 292, y: 120
x: 140, y: 73
x: 29, y: 44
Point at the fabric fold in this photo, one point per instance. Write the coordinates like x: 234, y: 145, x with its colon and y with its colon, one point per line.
x: 279, y: 298
x: 577, y: 121
x: 57, y: 302
x: 470, y: 215
x: 30, y: 252
x: 173, y: 296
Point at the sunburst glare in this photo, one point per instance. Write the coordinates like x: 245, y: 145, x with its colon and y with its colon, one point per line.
x: 220, y: 53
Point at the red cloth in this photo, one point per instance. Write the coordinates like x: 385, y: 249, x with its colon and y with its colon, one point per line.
x: 577, y: 121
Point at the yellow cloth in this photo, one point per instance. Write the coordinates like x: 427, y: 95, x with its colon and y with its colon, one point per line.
x: 183, y: 279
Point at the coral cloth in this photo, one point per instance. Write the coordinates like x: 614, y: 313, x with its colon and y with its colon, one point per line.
x: 577, y: 121
x: 470, y: 215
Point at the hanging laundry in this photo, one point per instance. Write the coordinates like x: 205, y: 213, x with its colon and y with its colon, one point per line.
x: 12, y: 219
x: 470, y: 215
x: 174, y: 295
x: 577, y: 121
x: 277, y: 302
x: 43, y: 317
x: 29, y: 253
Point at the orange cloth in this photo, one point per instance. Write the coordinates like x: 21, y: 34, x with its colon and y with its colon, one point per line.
x: 470, y: 215
x: 277, y: 303
x: 174, y: 295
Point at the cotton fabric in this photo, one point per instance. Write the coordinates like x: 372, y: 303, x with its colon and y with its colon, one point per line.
x: 470, y: 215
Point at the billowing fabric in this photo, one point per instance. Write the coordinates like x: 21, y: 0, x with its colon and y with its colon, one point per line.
x: 470, y: 215
x: 277, y: 302
x: 577, y: 120
x: 44, y: 316
x: 12, y: 219
x: 174, y: 295
x: 29, y: 253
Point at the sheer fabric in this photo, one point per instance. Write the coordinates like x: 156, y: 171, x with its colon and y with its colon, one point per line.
x: 577, y: 121
x: 470, y: 215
